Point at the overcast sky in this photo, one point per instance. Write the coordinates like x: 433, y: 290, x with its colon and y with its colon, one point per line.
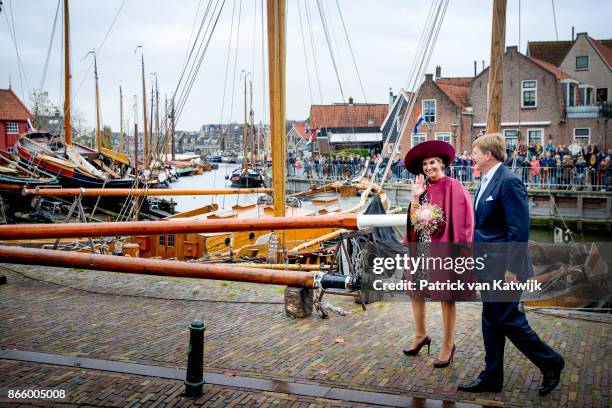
x: 384, y: 35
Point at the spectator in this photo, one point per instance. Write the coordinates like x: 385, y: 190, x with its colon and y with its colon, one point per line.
x: 556, y: 171
x: 535, y: 171
x: 547, y: 165
x: 606, y: 168
x: 568, y: 169
x: 581, y: 165
x: 549, y: 147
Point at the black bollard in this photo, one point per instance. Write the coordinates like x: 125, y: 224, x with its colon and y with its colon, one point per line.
x: 195, y: 361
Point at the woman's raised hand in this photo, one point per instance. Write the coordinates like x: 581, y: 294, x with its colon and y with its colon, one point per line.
x: 418, y: 186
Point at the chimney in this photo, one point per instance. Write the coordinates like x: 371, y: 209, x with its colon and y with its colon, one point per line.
x: 572, y: 33
x: 391, y: 98
x: 350, y: 100
x: 512, y: 48
x: 475, y: 68
x: 483, y: 65
x: 428, y: 77
x: 438, y: 72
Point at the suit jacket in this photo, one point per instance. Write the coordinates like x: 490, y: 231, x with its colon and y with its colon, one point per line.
x: 501, y: 227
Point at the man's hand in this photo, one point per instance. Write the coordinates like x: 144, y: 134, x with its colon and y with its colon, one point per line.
x: 510, y: 277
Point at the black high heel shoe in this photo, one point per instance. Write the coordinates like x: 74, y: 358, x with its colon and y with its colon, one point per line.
x: 442, y: 364
x: 415, y: 351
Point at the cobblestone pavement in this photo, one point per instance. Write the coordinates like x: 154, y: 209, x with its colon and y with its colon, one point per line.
x: 136, y: 319
x: 104, y: 389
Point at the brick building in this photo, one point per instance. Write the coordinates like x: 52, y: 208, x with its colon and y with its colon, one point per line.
x: 446, y: 112
x: 14, y: 116
x: 541, y: 104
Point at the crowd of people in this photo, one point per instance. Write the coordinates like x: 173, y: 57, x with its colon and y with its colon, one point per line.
x: 578, y: 166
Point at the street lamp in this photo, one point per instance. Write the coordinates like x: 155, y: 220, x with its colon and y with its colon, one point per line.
x: 454, y: 127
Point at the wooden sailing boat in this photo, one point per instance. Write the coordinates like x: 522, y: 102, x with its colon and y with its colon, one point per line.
x: 63, y: 159
x: 304, y: 245
x: 247, y: 176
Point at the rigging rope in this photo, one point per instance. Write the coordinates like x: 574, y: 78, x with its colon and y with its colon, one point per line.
x: 305, y: 53
x: 44, y: 74
x: 365, y: 98
x: 314, y: 55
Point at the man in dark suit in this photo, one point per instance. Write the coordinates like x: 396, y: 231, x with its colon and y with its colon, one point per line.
x: 501, y: 230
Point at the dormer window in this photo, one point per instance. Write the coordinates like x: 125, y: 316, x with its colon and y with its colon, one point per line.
x: 582, y: 62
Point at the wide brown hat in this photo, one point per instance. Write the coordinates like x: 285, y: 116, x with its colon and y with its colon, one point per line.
x: 432, y: 148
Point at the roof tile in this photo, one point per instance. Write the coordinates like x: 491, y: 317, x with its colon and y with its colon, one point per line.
x: 11, y: 107
x: 605, y: 52
x: 552, y: 52
x: 343, y: 115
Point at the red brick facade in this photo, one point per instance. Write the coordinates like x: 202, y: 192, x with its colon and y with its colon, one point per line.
x: 449, y: 95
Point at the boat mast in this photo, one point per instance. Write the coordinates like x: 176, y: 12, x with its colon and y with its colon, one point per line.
x: 67, y: 124
x: 98, y: 131
x: 245, y: 163
x: 144, y: 109
x: 252, y: 127
x: 496, y: 68
x: 121, y: 135
x: 172, y: 126
x: 157, y: 111
x: 276, y: 74
x: 136, y: 137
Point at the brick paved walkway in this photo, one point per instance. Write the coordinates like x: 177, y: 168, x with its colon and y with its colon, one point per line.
x: 248, y: 334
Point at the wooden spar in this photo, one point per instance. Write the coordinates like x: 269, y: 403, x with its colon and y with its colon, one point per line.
x: 121, y: 135
x: 245, y: 162
x: 281, y: 267
x: 176, y: 226
x: 276, y: 68
x: 251, y: 127
x: 31, y: 256
x: 67, y: 117
x: 98, y: 130
x: 136, y: 151
x: 496, y: 68
x: 172, y: 129
x: 144, y: 110
x: 124, y: 192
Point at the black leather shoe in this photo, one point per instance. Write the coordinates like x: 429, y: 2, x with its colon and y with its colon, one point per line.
x: 479, y: 385
x: 550, y: 382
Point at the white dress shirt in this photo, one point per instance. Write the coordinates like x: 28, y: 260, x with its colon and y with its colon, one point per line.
x: 485, y: 181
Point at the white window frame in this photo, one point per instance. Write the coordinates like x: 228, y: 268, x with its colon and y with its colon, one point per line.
x: 542, y: 138
x: 419, y: 135
x: 523, y: 90
x: 587, y: 64
x: 589, y: 136
x: 12, y: 128
x: 443, y: 135
x: 516, y: 137
x: 435, y: 104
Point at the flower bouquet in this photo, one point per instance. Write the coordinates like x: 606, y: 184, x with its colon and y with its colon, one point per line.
x: 426, y: 218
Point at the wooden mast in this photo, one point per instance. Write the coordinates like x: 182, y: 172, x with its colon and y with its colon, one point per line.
x: 172, y: 128
x: 144, y: 121
x: 252, y: 127
x: 245, y: 162
x: 276, y: 74
x: 121, y: 135
x: 496, y: 68
x: 98, y: 130
x: 67, y: 118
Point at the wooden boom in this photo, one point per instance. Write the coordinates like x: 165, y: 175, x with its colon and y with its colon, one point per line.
x: 176, y: 226
x: 124, y: 192
x: 46, y: 257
